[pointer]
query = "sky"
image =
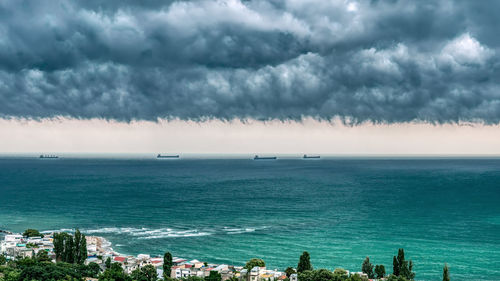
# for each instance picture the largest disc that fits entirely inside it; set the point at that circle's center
(236, 76)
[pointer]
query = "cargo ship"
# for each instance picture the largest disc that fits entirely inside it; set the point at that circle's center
(48, 156)
(311, 157)
(159, 156)
(264, 158)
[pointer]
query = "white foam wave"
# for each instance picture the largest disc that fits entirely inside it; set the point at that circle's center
(58, 230)
(238, 230)
(149, 233)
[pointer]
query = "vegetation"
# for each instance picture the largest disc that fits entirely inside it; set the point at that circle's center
(380, 271)
(255, 262)
(304, 263)
(146, 273)
(40, 268)
(167, 265)
(402, 267)
(114, 273)
(214, 276)
(107, 263)
(70, 249)
(327, 275)
(289, 271)
(367, 268)
(446, 273)
(32, 233)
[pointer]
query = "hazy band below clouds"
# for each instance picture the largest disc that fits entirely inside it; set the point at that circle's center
(217, 137)
(382, 60)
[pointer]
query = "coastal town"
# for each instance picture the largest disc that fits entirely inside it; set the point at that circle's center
(99, 251)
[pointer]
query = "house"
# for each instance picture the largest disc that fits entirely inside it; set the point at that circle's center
(254, 274)
(196, 263)
(294, 277)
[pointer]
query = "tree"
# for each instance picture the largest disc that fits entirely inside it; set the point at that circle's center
(79, 250)
(446, 273)
(289, 271)
(32, 233)
(306, 275)
(340, 273)
(167, 265)
(255, 262)
(146, 273)
(76, 246)
(108, 262)
(402, 267)
(42, 256)
(83, 250)
(93, 270)
(3, 260)
(214, 276)
(59, 241)
(380, 271)
(69, 254)
(367, 268)
(395, 266)
(304, 263)
(114, 273)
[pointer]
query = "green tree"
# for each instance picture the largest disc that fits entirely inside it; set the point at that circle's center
(196, 278)
(367, 268)
(3, 260)
(59, 241)
(402, 267)
(289, 271)
(395, 266)
(393, 277)
(255, 262)
(323, 275)
(340, 274)
(304, 263)
(380, 271)
(42, 256)
(69, 250)
(32, 233)
(446, 273)
(76, 246)
(108, 262)
(214, 276)
(92, 270)
(114, 273)
(167, 265)
(145, 273)
(81, 249)
(306, 275)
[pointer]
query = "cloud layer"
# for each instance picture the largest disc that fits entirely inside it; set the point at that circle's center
(381, 61)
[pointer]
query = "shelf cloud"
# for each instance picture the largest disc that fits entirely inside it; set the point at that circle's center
(377, 61)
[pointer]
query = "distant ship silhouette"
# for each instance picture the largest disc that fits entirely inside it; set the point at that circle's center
(159, 156)
(48, 156)
(311, 157)
(264, 158)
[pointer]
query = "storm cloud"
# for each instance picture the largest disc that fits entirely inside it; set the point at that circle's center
(377, 61)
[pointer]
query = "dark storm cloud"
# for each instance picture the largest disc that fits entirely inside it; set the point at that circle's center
(380, 61)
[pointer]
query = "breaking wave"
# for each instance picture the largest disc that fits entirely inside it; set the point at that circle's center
(149, 233)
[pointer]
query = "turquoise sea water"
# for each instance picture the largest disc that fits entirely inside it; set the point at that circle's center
(230, 210)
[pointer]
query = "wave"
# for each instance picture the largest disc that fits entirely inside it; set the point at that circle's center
(159, 233)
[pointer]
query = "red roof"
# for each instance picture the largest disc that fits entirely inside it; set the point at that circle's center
(188, 265)
(156, 261)
(119, 259)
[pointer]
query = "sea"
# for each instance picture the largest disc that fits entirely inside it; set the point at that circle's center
(231, 209)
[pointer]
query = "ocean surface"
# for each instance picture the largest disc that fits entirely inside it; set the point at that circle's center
(230, 210)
